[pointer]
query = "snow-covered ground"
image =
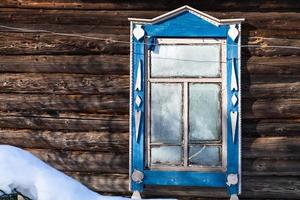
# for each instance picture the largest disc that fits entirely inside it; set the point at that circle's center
(35, 179)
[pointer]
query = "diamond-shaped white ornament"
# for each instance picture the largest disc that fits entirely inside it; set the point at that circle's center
(138, 100)
(138, 32)
(233, 32)
(234, 100)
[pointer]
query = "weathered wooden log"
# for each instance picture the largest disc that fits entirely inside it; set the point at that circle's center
(285, 65)
(271, 108)
(66, 122)
(55, 104)
(84, 161)
(80, 141)
(271, 147)
(114, 183)
(100, 65)
(270, 166)
(46, 44)
(254, 20)
(268, 5)
(64, 84)
(271, 127)
(272, 90)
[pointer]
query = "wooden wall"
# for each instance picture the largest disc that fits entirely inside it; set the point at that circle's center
(65, 98)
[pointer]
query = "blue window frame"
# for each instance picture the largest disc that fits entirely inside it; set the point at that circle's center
(174, 38)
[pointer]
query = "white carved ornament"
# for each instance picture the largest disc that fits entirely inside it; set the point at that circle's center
(138, 32)
(233, 116)
(233, 32)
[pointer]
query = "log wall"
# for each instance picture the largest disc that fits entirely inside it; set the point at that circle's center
(65, 98)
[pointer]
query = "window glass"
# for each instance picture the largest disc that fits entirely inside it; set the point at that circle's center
(186, 61)
(166, 155)
(166, 113)
(204, 112)
(205, 155)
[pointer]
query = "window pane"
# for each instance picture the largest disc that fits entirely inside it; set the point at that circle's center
(166, 155)
(186, 60)
(205, 155)
(166, 113)
(204, 112)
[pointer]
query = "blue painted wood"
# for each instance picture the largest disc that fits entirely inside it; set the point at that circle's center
(185, 178)
(232, 148)
(186, 24)
(137, 159)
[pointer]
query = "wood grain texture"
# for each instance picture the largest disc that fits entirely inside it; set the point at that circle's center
(64, 84)
(90, 64)
(251, 5)
(65, 98)
(65, 122)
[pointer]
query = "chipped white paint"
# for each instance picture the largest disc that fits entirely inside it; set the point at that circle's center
(136, 195)
(234, 85)
(234, 100)
(138, 32)
(233, 32)
(234, 197)
(233, 116)
(232, 179)
(137, 124)
(137, 176)
(138, 83)
(138, 101)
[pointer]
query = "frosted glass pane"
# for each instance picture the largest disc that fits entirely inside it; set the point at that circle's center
(204, 112)
(185, 60)
(166, 155)
(205, 155)
(166, 113)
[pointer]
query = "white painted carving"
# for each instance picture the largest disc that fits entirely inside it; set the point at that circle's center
(234, 85)
(138, 32)
(138, 83)
(137, 124)
(136, 195)
(233, 32)
(233, 116)
(138, 100)
(137, 176)
(234, 197)
(234, 100)
(232, 179)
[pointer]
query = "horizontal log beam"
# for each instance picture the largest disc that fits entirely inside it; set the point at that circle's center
(270, 127)
(53, 105)
(79, 141)
(65, 122)
(47, 44)
(254, 20)
(271, 108)
(64, 84)
(100, 65)
(84, 161)
(252, 5)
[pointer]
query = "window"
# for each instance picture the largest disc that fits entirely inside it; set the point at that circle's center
(186, 96)
(185, 116)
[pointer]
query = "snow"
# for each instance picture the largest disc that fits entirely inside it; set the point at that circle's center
(35, 179)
